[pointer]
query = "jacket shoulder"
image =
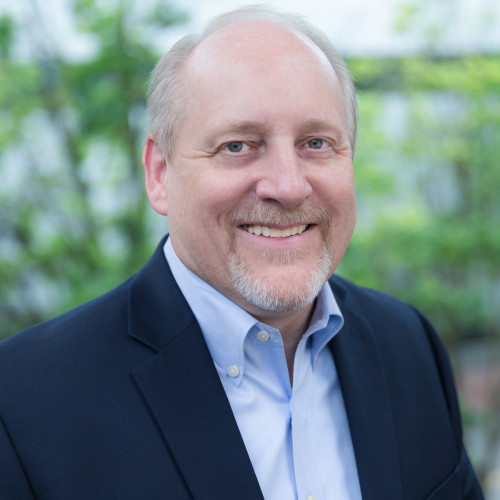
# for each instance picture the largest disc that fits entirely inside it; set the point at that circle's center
(78, 327)
(402, 333)
(371, 303)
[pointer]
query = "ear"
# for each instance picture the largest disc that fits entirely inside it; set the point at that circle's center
(155, 170)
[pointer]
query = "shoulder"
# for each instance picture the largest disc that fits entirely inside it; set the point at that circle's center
(404, 336)
(68, 334)
(376, 306)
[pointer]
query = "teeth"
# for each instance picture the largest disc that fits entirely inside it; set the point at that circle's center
(274, 233)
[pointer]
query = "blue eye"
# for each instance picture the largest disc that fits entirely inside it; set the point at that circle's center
(315, 143)
(235, 147)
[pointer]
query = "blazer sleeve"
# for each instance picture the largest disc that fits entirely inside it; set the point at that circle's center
(13, 481)
(469, 485)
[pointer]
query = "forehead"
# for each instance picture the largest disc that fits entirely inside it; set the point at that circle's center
(258, 72)
(257, 46)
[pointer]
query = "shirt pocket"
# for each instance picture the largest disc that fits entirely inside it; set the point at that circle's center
(449, 489)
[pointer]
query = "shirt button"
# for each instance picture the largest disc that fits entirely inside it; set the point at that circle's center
(233, 371)
(263, 336)
(310, 497)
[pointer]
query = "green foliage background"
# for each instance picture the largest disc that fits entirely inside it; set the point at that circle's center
(428, 188)
(74, 218)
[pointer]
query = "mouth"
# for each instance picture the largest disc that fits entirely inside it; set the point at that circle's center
(272, 232)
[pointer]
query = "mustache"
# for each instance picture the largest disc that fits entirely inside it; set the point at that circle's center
(268, 214)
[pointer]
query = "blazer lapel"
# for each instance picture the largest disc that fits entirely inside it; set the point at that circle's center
(362, 379)
(182, 388)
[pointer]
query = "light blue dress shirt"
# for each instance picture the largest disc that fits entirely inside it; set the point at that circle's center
(297, 436)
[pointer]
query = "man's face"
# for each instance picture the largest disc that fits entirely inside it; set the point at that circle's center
(259, 192)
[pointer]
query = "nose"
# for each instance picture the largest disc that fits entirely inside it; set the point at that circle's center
(283, 178)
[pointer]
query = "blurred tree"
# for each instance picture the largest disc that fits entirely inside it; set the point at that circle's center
(73, 219)
(428, 162)
(429, 213)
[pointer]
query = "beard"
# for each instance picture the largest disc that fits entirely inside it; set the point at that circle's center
(288, 291)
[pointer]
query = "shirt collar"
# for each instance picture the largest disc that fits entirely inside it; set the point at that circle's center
(225, 325)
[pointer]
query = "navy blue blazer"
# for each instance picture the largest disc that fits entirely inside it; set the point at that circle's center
(119, 399)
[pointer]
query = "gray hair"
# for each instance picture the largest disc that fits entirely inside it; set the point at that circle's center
(165, 102)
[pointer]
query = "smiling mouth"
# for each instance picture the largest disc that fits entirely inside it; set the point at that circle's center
(271, 232)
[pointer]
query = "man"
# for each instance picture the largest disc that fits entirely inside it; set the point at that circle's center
(230, 367)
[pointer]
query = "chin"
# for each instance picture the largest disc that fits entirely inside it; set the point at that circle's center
(283, 290)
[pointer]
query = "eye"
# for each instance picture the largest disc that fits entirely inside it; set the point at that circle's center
(315, 143)
(235, 147)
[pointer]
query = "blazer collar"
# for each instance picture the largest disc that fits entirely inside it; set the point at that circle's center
(362, 379)
(157, 309)
(183, 391)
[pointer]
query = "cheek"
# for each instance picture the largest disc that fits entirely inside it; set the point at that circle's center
(337, 195)
(186, 193)
(221, 196)
(203, 207)
(336, 192)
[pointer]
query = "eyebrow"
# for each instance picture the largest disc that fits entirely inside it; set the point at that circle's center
(240, 127)
(237, 127)
(256, 126)
(315, 125)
